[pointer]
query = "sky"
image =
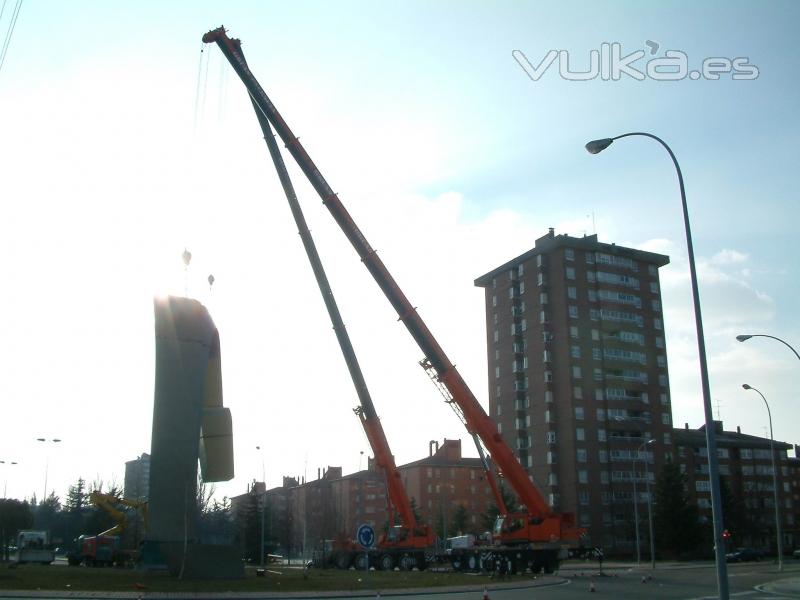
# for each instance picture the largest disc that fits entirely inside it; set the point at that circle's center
(122, 144)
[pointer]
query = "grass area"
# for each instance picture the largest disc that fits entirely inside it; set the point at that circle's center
(277, 579)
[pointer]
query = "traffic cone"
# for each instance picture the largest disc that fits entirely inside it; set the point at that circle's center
(644, 579)
(485, 594)
(591, 586)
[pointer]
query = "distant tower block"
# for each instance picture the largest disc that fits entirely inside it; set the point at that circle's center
(189, 423)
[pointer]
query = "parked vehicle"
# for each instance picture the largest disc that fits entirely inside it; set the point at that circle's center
(33, 547)
(744, 555)
(796, 554)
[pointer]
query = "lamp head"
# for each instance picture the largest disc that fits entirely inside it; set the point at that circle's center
(747, 387)
(596, 146)
(743, 338)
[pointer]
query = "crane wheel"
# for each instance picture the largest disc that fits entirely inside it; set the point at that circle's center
(386, 562)
(343, 561)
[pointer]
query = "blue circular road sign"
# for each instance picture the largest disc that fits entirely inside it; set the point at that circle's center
(366, 536)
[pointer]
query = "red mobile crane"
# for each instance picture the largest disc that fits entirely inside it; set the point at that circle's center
(405, 544)
(536, 537)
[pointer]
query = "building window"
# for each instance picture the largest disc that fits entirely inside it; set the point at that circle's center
(598, 374)
(583, 477)
(575, 351)
(497, 372)
(604, 477)
(550, 437)
(572, 292)
(657, 324)
(601, 414)
(569, 254)
(573, 311)
(541, 279)
(596, 354)
(542, 317)
(543, 299)
(594, 314)
(598, 394)
(656, 305)
(702, 485)
(539, 260)
(551, 457)
(547, 415)
(548, 376)
(496, 335)
(494, 300)
(601, 435)
(552, 479)
(667, 439)
(547, 356)
(576, 373)
(580, 434)
(573, 331)
(499, 428)
(664, 400)
(653, 287)
(579, 413)
(577, 392)
(659, 342)
(661, 360)
(589, 258)
(581, 454)
(570, 272)
(602, 456)
(548, 396)
(590, 276)
(662, 380)
(592, 296)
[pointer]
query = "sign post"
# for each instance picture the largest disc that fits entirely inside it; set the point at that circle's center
(366, 537)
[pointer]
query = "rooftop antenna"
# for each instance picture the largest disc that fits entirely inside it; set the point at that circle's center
(594, 225)
(719, 418)
(187, 258)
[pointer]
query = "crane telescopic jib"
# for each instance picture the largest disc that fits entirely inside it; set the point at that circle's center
(538, 526)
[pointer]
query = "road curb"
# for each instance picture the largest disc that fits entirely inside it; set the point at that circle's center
(60, 594)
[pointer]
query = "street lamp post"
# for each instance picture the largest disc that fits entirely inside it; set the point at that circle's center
(47, 463)
(774, 479)
(744, 338)
(599, 145)
(650, 517)
(263, 504)
(636, 517)
(636, 506)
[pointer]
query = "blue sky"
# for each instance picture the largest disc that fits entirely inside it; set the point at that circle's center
(450, 158)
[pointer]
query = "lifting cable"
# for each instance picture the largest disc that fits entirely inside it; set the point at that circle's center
(197, 89)
(11, 25)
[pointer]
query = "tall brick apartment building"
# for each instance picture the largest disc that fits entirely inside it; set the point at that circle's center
(578, 378)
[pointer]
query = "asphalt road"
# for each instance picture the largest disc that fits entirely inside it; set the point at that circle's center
(749, 581)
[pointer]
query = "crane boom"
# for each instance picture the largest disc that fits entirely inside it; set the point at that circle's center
(476, 419)
(367, 415)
